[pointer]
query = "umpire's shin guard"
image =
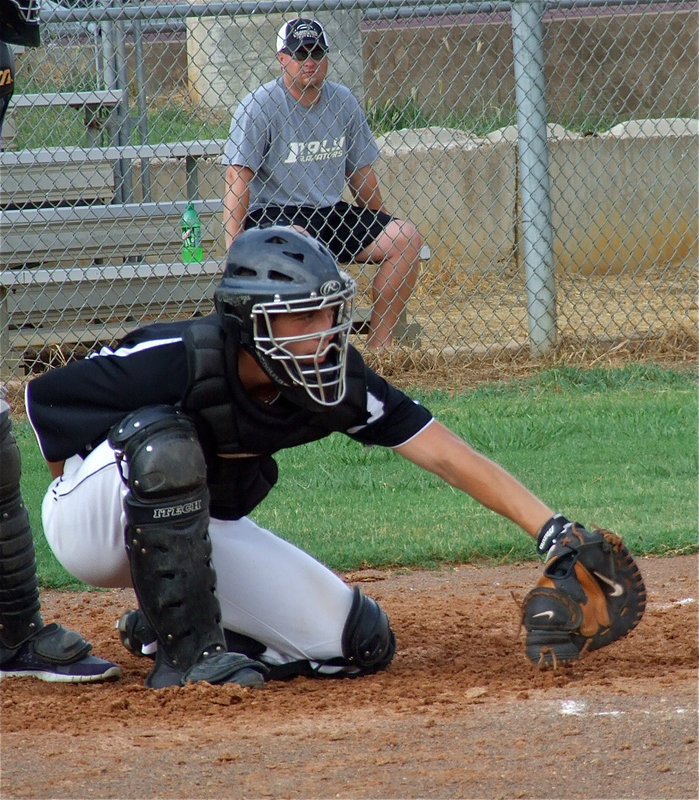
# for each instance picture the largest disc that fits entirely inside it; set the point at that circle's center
(20, 617)
(169, 550)
(19, 590)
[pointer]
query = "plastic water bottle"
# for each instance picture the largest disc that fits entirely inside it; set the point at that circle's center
(192, 250)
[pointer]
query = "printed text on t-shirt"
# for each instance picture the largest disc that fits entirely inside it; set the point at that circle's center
(316, 150)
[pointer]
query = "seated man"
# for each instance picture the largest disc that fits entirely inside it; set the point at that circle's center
(293, 144)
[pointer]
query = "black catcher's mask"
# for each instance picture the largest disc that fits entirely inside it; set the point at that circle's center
(277, 271)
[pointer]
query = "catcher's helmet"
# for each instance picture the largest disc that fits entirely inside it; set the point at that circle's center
(19, 22)
(280, 270)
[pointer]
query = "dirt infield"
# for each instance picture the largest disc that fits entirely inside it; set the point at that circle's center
(460, 713)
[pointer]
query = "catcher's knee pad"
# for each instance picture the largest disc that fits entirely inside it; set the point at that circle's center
(167, 540)
(162, 463)
(368, 642)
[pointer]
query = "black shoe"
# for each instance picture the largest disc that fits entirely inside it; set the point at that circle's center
(26, 662)
(139, 638)
(217, 668)
(136, 634)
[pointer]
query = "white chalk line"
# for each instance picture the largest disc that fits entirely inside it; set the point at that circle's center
(578, 708)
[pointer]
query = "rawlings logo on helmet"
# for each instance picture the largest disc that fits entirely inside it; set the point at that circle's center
(330, 287)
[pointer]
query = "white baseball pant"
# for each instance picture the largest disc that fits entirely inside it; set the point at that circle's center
(268, 588)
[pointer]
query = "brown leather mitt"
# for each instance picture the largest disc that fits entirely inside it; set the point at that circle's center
(590, 594)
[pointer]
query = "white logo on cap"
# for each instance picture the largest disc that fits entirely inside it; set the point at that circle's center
(305, 30)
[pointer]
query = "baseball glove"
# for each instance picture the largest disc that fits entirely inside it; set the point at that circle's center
(590, 594)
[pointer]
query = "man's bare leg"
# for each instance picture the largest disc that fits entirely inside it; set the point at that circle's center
(396, 251)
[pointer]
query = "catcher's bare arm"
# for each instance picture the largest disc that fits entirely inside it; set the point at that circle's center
(441, 451)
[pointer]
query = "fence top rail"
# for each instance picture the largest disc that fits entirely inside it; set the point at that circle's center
(51, 155)
(232, 8)
(105, 213)
(106, 97)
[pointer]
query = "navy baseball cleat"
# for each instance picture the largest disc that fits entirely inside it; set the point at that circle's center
(35, 659)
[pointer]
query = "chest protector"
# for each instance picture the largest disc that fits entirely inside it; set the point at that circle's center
(238, 435)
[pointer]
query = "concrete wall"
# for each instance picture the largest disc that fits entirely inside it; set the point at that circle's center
(624, 201)
(459, 190)
(621, 200)
(624, 65)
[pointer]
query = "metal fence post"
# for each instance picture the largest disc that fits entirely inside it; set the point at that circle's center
(537, 233)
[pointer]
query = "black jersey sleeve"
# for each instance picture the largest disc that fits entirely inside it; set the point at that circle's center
(392, 417)
(73, 408)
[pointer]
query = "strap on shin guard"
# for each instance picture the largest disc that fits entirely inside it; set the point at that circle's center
(367, 640)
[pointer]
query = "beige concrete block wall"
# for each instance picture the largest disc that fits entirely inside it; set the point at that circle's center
(458, 190)
(228, 57)
(627, 199)
(624, 202)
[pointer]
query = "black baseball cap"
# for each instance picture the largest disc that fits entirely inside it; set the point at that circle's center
(302, 33)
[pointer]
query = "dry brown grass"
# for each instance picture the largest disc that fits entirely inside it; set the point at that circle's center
(456, 370)
(475, 325)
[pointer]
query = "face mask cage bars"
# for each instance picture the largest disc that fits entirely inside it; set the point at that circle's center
(320, 373)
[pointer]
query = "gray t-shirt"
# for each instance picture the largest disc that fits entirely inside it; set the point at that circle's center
(300, 155)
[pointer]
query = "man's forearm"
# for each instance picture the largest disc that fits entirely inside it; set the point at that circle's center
(236, 201)
(365, 189)
(234, 212)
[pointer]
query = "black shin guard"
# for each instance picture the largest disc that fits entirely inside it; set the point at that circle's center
(169, 549)
(20, 617)
(19, 590)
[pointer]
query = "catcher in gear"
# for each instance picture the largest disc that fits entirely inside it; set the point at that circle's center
(590, 594)
(162, 449)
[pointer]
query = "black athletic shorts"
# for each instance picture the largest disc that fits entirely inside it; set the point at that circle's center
(345, 229)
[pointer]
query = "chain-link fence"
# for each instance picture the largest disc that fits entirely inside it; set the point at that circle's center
(545, 152)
